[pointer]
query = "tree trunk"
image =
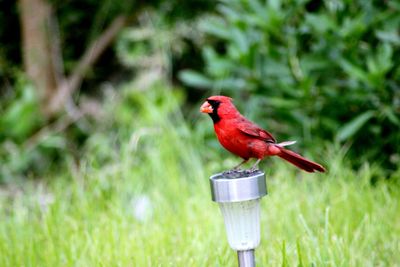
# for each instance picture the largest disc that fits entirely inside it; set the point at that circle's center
(42, 56)
(39, 64)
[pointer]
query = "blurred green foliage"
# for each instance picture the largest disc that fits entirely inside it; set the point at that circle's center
(86, 213)
(314, 69)
(78, 23)
(27, 145)
(320, 70)
(19, 120)
(31, 145)
(20, 113)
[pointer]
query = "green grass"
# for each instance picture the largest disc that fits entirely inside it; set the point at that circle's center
(83, 215)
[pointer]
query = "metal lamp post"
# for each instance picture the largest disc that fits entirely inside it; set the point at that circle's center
(238, 195)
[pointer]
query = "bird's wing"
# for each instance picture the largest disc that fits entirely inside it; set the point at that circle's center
(249, 128)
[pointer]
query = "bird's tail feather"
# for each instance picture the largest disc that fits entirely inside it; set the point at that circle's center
(299, 161)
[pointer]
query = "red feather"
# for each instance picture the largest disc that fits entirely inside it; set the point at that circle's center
(246, 139)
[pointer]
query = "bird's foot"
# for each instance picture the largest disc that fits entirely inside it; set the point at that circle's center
(232, 174)
(234, 170)
(252, 169)
(228, 172)
(237, 169)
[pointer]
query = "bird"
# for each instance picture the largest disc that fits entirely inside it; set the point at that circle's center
(246, 139)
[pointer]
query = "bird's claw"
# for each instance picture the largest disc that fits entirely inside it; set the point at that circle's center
(253, 169)
(234, 170)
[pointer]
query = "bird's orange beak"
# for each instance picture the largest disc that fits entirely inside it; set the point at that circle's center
(206, 108)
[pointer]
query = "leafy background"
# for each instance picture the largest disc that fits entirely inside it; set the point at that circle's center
(125, 184)
(326, 70)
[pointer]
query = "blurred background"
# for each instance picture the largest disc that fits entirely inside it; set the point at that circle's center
(105, 159)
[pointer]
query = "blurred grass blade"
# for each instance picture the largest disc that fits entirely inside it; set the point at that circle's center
(353, 126)
(299, 254)
(284, 258)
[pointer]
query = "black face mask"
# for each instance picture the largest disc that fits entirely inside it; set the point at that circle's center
(214, 115)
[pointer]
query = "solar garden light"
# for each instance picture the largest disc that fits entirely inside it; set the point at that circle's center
(238, 194)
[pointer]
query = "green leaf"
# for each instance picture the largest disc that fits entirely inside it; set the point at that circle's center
(231, 84)
(215, 27)
(320, 23)
(354, 71)
(230, 13)
(384, 57)
(391, 116)
(54, 141)
(282, 103)
(240, 40)
(353, 126)
(390, 36)
(195, 79)
(22, 116)
(352, 27)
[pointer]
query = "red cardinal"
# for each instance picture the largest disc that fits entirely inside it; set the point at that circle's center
(246, 139)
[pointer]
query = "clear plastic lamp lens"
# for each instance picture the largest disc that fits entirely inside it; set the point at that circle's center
(242, 222)
(238, 195)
